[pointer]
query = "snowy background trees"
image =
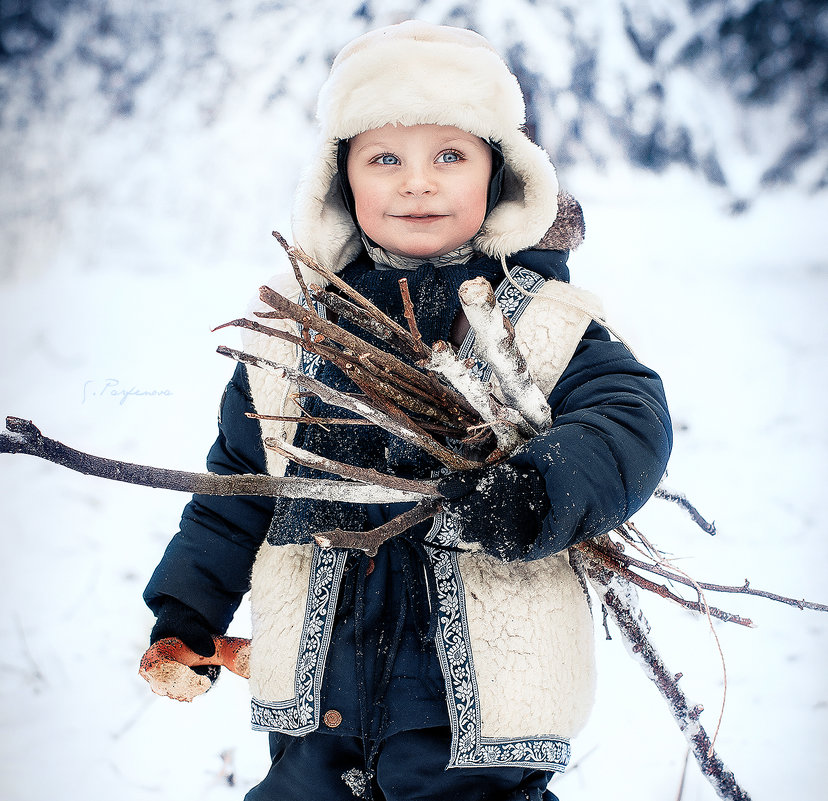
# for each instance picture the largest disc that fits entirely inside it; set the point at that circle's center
(145, 154)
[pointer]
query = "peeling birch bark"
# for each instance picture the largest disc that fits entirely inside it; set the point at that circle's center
(495, 342)
(506, 424)
(621, 602)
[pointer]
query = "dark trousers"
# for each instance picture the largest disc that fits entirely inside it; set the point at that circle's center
(410, 766)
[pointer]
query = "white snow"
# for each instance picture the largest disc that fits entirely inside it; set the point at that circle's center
(125, 239)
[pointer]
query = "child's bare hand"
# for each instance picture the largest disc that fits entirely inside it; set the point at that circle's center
(167, 664)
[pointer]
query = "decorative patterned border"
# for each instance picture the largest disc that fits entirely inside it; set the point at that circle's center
(310, 363)
(469, 748)
(300, 715)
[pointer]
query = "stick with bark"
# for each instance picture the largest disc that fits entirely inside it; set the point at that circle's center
(620, 600)
(22, 436)
(369, 541)
(418, 349)
(506, 424)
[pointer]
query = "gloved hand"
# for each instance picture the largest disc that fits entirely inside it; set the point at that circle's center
(502, 507)
(184, 659)
(169, 666)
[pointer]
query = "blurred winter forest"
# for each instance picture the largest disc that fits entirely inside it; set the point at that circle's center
(736, 91)
(146, 152)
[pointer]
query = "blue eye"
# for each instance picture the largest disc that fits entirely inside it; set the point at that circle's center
(449, 157)
(387, 158)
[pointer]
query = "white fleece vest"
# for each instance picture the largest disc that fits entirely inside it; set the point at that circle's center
(515, 639)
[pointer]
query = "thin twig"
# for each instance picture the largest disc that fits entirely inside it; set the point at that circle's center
(681, 500)
(408, 310)
(300, 279)
(682, 578)
(308, 419)
(683, 775)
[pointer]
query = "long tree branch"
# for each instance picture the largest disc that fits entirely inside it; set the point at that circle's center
(22, 436)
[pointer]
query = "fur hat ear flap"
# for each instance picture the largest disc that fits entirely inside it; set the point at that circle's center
(416, 73)
(528, 203)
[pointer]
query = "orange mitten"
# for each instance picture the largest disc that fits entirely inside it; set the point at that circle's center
(166, 665)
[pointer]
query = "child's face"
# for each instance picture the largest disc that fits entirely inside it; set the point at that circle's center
(419, 190)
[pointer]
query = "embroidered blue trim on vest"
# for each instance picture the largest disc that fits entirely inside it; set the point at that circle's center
(300, 715)
(469, 748)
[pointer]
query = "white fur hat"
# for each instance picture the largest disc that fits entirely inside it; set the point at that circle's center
(418, 73)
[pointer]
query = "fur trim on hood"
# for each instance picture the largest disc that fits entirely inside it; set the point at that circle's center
(418, 73)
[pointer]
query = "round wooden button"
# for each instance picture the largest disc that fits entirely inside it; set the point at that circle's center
(370, 568)
(332, 718)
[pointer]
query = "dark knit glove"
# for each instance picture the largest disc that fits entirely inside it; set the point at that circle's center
(502, 507)
(176, 619)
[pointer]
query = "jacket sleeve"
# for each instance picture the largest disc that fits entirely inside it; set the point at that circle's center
(208, 562)
(608, 445)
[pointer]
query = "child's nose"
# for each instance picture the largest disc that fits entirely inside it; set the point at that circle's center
(418, 181)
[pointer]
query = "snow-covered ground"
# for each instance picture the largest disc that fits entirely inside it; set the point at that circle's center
(141, 232)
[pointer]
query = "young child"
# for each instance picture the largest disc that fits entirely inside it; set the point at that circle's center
(458, 661)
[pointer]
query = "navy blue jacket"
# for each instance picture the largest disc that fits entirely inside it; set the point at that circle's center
(610, 422)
